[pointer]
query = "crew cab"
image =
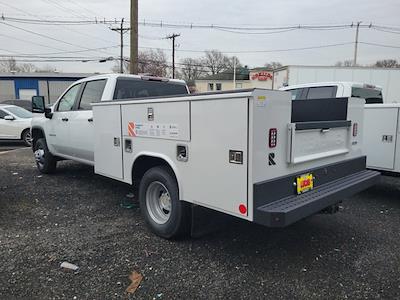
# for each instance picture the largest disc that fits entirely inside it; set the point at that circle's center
(322, 90)
(66, 130)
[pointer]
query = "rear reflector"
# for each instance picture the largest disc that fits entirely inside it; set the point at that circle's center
(273, 133)
(355, 129)
(242, 209)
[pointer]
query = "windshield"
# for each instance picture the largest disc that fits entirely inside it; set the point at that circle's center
(19, 112)
(370, 95)
(134, 88)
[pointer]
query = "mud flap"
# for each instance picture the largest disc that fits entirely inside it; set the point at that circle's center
(206, 221)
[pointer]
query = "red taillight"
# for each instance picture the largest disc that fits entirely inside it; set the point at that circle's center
(355, 129)
(273, 134)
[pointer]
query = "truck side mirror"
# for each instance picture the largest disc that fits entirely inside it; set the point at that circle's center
(9, 118)
(38, 104)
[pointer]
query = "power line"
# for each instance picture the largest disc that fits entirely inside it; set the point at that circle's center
(204, 26)
(256, 51)
(69, 29)
(46, 36)
(380, 45)
(20, 54)
(64, 8)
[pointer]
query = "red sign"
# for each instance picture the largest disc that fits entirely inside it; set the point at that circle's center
(261, 76)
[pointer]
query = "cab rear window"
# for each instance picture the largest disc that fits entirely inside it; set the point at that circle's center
(136, 88)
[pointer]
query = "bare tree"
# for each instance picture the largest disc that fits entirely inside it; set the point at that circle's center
(46, 69)
(345, 63)
(387, 63)
(216, 62)
(8, 65)
(234, 62)
(153, 62)
(191, 69)
(273, 65)
(26, 68)
(11, 65)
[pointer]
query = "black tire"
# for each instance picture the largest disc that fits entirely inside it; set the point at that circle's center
(178, 222)
(45, 162)
(26, 137)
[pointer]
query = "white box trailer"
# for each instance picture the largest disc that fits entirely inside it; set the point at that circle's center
(387, 78)
(253, 154)
(382, 136)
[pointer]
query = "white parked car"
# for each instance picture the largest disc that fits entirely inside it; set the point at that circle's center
(15, 123)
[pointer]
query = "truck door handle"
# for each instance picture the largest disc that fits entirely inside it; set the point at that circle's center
(90, 120)
(65, 119)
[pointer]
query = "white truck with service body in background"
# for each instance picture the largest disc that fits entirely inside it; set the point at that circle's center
(386, 78)
(381, 121)
(253, 154)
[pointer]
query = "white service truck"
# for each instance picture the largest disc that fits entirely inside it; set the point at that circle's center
(253, 154)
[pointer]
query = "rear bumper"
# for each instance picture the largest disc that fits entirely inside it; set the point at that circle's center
(276, 203)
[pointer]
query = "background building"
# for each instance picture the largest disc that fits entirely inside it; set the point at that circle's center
(245, 78)
(25, 85)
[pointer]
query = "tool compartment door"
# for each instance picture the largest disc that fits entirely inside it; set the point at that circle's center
(107, 141)
(319, 129)
(319, 142)
(212, 179)
(380, 135)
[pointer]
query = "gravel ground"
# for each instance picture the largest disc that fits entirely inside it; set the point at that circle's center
(7, 145)
(75, 216)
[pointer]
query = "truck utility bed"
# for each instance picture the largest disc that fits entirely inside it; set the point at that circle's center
(252, 153)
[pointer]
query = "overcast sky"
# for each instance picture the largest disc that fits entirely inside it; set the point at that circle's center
(223, 12)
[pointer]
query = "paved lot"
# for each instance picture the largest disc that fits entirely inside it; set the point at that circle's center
(75, 216)
(7, 145)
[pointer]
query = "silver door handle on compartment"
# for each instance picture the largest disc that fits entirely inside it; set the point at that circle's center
(90, 120)
(65, 119)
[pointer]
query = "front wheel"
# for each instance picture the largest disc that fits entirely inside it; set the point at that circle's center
(45, 161)
(165, 214)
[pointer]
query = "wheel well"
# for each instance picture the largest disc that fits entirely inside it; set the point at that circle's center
(22, 132)
(144, 163)
(37, 133)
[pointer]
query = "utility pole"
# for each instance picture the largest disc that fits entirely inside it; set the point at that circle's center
(173, 37)
(234, 72)
(356, 44)
(121, 31)
(134, 37)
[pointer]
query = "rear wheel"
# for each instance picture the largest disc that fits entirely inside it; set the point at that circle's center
(26, 137)
(45, 161)
(161, 208)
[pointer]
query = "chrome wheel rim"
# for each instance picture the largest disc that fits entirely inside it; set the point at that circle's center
(158, 202)
(39, 157)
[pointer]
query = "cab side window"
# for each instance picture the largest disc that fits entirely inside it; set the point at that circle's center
(296, 94)
(2, 114)
(322, 92)
(92, 93)
(67, 101)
